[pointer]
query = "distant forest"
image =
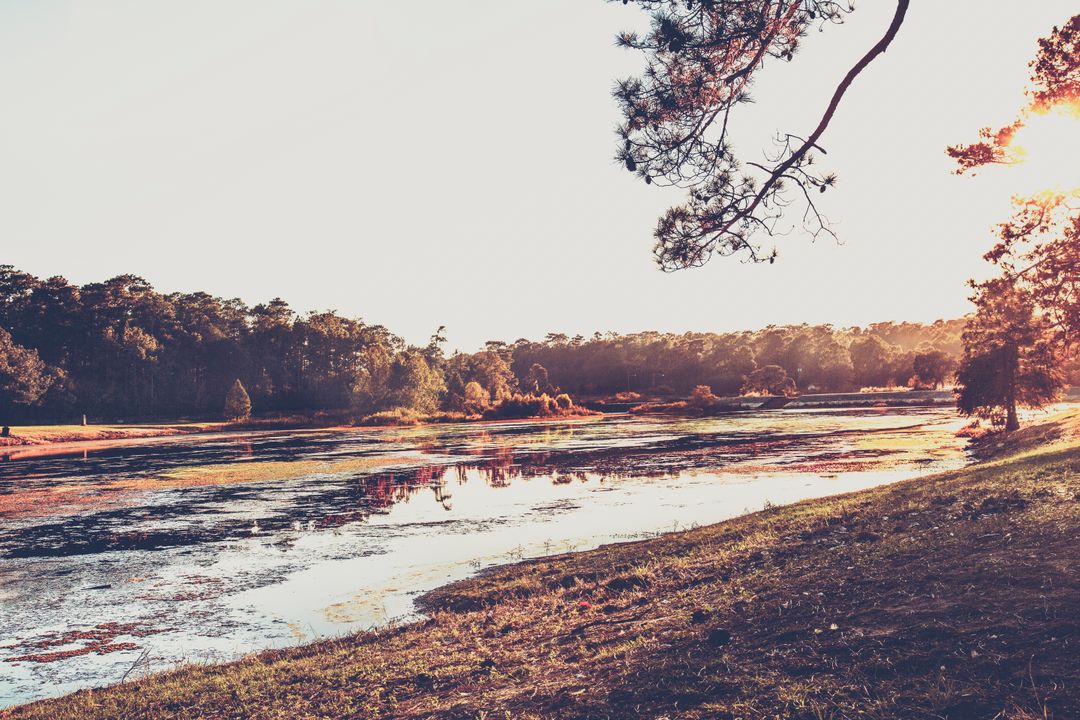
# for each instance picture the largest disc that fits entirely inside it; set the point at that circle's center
(121, 350)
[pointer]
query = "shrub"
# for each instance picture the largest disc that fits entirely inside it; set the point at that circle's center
(237, 403)
(397, 416)
(702, 396)
(529, 405)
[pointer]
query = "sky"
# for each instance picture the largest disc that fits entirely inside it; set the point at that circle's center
(430, 163)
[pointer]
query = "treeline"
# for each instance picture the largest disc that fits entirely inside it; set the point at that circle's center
(121, 350)
(814, 358)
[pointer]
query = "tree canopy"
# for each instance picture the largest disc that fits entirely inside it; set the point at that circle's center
(1027, 319)
(119, 349)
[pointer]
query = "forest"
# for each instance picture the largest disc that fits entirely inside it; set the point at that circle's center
(121, 350)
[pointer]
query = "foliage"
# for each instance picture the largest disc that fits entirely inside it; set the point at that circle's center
(820, 358)
(933, 368)
(119, 349)
(24, 379)
(872, 360)
(769, 380)
(529, 405)
(237, 403)
(1054, 82)
(477, 399)
(702, 397)
(537, 380)
(1024, 332)
(415, 384)
(397, 416)
(701, 58)
(1009, 360)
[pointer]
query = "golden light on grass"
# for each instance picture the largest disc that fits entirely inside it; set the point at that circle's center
(1045, 151)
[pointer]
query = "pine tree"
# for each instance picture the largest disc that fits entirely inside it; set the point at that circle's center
(237, 403)
(1008, 359)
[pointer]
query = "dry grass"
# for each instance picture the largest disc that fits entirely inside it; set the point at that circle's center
(46, 434)
(953, 596)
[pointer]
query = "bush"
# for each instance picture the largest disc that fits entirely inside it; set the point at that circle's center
(702, 397)
(397, 416)
(237, 403)
(529, 405)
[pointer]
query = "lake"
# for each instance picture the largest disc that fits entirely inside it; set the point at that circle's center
(129, 560)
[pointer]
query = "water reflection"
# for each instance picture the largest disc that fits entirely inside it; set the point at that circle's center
(217, 547)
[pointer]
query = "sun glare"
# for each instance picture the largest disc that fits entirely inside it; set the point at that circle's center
(1046, 151)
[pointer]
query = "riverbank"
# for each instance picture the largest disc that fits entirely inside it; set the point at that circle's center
(35, 440)
(53, 434)
(45, 440)
(49, 435)
(947, 596)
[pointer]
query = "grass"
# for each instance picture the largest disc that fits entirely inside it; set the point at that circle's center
(951, 596)
(43, 434)
(26, 437)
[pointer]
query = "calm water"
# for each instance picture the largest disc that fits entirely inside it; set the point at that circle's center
(135, 559)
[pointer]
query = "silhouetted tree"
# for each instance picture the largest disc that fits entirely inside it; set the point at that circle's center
(771, 380)
(701, 59)
(933, 368)
(872, 360)
(1009, 361)
(1027, 319)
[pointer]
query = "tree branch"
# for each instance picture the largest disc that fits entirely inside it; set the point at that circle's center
(879, 48)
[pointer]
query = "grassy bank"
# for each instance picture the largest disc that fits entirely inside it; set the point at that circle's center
(46, 435)
(52, 434)
(35, 435)
(952, 596)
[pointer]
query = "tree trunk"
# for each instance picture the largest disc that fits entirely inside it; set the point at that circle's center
(1012, 422)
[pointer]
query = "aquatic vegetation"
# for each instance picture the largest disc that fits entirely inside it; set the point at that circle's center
(951, 596)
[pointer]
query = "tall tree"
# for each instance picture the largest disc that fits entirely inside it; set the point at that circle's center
(1009, 361)
(932, 367)
(24, 378)
(1027, 320)
(1039, 247)
(871, 360)
(415, 384)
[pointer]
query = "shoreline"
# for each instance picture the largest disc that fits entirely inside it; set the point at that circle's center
(108, 437)
(789, 610)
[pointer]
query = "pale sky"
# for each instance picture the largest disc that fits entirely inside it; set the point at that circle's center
(431, 163)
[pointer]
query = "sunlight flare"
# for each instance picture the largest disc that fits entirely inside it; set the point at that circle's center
(1045, 152)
